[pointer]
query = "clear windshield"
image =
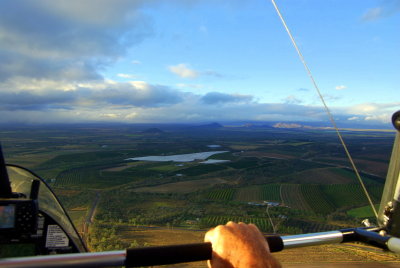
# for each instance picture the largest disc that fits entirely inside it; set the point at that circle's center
(21, 181)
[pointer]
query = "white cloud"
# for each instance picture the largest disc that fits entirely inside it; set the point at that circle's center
(127, 76)
(111, 115)
(353, 118)
(131, 115)
(136, 62)
(385, 118)
(365, 108)
(183, 71)
(377, 112)
(141, 102)
(341, 87)
(54, 95)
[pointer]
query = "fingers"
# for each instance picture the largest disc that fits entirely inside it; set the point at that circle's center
(238, 245)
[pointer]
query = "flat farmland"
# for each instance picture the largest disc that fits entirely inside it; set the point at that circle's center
(181, 187)
(303, 170)
(324, 176)
(268, 155)
(163, 237)
(378, 168)
(153, 236)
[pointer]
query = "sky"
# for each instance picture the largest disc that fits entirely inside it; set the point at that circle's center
(188, 61)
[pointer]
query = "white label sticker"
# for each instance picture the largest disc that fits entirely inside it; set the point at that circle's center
(56, 238)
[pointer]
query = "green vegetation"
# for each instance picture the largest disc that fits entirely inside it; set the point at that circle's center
(350, 195)
(362, 212)
(316, 199)
(201, 169)
(248, 162)
(222, 194)
(271, 192)
(303, 171)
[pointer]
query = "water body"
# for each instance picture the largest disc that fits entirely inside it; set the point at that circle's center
(177, 157)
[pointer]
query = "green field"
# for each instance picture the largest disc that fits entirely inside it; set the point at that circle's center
(362, 212)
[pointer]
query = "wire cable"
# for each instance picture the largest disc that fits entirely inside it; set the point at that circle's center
(326, 108)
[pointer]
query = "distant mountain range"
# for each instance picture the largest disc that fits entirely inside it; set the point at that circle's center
(310, 125)
(158, 128)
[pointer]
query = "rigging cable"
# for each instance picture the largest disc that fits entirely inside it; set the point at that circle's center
(326, 108)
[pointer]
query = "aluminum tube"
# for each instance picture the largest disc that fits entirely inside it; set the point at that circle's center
(95, 259)
(312, 239)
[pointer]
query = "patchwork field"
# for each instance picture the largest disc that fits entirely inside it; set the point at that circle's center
(296, 181)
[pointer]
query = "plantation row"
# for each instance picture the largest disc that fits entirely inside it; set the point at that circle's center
(269, 192)
(262, 223)
(221, 194)
(316, 199)
(320, 199)
(92, 177)
(249, 194)
(76, 176)
(324, 199)
(343, 195)
(293, 197)
(283, 226)
(310, 227)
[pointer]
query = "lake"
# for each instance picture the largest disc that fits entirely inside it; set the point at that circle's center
(177, 157)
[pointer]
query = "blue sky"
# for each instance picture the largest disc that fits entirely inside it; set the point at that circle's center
(197, 61)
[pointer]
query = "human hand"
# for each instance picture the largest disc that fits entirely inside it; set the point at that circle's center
(239, 246)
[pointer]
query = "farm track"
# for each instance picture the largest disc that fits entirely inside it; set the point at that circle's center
(90, 216)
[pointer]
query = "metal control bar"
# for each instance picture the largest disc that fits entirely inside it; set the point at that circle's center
(150, 256)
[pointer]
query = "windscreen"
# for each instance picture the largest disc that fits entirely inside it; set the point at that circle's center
(21, 181)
